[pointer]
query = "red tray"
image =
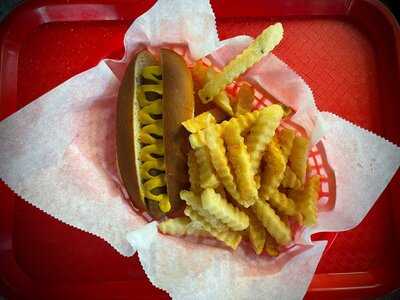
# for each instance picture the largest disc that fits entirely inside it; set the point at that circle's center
(347, 51)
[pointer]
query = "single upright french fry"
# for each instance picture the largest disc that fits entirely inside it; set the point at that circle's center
(240, 161)
(272, 222)
(262, 132)
(290, 179)
(219, 160)
(274, 170)
(298, 157)
(260, 47)
(208, 178)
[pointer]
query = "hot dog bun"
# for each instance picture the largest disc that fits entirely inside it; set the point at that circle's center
(178, 101)
(177, 106)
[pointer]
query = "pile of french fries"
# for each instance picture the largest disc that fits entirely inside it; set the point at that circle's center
(248, 174)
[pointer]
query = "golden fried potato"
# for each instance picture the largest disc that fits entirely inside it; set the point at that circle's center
(219, 160)
(223, 101)
(221, 209)
(260, 47)
(306, 200)
(199, 122)
(195, 229)
(244, 100)
(240, 160)
(194, 173)
(282, 203)
(274, 170)
(290, 179)
(208, 178)
(262, 132)
(298, 157)
(230, 238)
(286, 137)
(256, 232)
(194, 201)
(272, 222)
(176, 226)
(247, 120)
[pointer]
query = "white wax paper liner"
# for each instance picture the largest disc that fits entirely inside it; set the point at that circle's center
(58, 154)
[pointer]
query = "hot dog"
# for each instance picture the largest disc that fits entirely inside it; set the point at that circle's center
(155, 97)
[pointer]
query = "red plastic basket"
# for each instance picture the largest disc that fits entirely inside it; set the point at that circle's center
(347, 51)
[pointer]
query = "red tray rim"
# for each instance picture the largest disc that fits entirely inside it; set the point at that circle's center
(11, 36)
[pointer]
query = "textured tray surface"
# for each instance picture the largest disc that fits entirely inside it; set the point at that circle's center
(336, 59)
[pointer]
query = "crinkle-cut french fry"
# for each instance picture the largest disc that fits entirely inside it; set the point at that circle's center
(272, 222)
(230, 238)
(282, 203)
(260, 47)
(247, 120)
(262, 132)
(208, 179)
(197, 139)
(223, 101)
(207, 175)
(194, 174)
(271, 247)
(256, 232)
(201, 75)
(240, 161)
(274, 170)
(244, 100)
(175, 226)
(195, 229)
(244, 122)
(271, 179)
(306, 200)
(221, 209)
(298, 157)
(194, 201)
(199, 122)
(286, 137)
(216, 147)
(290, 180)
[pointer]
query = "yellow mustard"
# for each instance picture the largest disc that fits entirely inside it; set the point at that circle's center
(152, 167)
